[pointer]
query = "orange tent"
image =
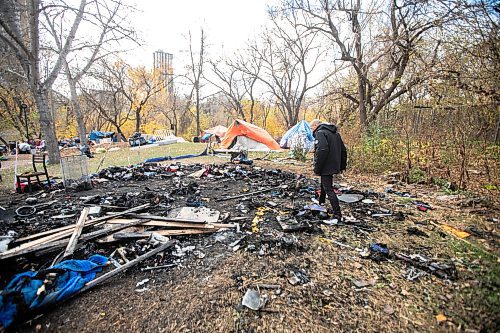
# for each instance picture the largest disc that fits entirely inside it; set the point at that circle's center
(251, 131)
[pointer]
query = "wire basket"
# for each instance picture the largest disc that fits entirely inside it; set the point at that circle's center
(75, 172)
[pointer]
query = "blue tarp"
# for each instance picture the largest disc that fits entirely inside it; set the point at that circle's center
(21, 292)
(168, 158)
(299, 135)
(96, 135)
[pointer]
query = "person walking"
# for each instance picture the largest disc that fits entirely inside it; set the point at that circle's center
(330, 158)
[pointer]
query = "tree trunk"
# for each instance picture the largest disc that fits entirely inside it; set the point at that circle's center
(82, 132)
(137, 120)
(47, 126)
(198, 129)
(175, 123)
(363, 119)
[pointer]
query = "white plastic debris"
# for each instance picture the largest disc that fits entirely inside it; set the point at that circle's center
(6, 240)
(253, 300)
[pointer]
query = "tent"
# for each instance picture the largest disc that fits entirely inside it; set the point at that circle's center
(218, 131)
(243, 135)
(98, 135)
(299, 136)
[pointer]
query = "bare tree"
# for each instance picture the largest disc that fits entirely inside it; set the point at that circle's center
(107, 17)
(23, 38)
(378, 39)
(229, 81)
(195, 69)
(106, 96)
(287, 55)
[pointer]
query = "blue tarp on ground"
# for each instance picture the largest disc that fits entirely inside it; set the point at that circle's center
(299, 135)
(96, 135)
(168, 158)
(21, 292)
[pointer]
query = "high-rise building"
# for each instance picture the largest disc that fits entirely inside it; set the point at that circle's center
(162, 62)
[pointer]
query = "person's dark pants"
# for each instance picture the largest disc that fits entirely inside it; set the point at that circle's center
(327, 190)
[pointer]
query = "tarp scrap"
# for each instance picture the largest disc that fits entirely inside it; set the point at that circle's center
(299, 136)
(28, 290)
(456, 232)
(169, 158)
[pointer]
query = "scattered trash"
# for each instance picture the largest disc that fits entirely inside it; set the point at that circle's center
(454, 231)
(442, 271)
(298, 276)
(253, 300)
(350, 198)
(416, 232)
(378, 252)
(441, 318)
(388, 309)
(6, 240)
(364, 283)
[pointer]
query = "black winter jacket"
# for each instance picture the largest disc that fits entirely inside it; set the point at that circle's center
(330, 154)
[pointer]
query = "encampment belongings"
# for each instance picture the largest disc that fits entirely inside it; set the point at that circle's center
(245, 136)
(36, 159)
(350, 197)
(299, 136)
(6, 240)
(443, 271)
(401, 194)
(85, 150)
(25, 211)
(417, 232)
(378, 252)
(253, 300)
(137, 140)
(241, 158)
(422, 206)
(364, 283)
(298, 276)
(32, 290)
(99, 136)
(75, 172)
(216, 132)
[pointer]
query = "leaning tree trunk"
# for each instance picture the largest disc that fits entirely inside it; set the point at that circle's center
(47, 126)
(137, 120)
(82, 131)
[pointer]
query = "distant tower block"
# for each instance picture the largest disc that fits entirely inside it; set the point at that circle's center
(162, 61)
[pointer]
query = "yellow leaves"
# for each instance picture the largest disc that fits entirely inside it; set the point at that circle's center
(258, 218)
(441, 318)
(456, 232)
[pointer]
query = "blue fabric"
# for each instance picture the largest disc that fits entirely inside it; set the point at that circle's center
(299, 134)
(167, 158)
(21, 292)
(95, 135)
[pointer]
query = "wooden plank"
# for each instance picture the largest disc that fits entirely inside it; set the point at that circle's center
(124, 267)
(155, 223)
(54, 245)
(164, 218)
(184, 232)
(196, 213)
(76, 233)
(89, 223)
(245, 195)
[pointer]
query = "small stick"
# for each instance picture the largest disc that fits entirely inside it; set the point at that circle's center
(245, 195)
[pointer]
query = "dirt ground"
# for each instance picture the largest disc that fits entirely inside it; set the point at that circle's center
(203, 292)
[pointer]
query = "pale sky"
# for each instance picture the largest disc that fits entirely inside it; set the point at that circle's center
(164, 24)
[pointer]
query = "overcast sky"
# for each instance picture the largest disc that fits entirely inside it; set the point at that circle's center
(164, 24)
